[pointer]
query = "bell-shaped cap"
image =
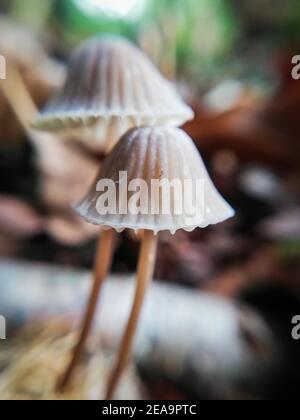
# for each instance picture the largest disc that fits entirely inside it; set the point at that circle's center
(154, 179)
(20, 47)
(112, 86)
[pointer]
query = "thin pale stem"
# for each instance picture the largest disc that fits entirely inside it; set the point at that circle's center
(102, 266)
(144, 276)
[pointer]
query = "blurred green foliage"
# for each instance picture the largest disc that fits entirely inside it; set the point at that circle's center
(199, 39)
(203, 31)
(78, 25)
(196, 32)
(31, 13)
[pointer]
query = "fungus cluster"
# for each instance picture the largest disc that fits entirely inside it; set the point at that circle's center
(116, 101)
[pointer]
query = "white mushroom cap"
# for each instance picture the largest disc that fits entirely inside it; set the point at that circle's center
(112, 86)
(156, 154)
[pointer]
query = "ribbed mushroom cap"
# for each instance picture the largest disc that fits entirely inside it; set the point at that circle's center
(111, 87)
(154, 154)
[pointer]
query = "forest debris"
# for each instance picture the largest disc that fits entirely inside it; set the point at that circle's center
(32, 363)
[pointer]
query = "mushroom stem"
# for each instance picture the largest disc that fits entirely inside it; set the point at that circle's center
(102, 266)
(144, 276)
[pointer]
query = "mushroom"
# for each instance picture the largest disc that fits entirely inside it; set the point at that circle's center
(112, 86)
(125, 196)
